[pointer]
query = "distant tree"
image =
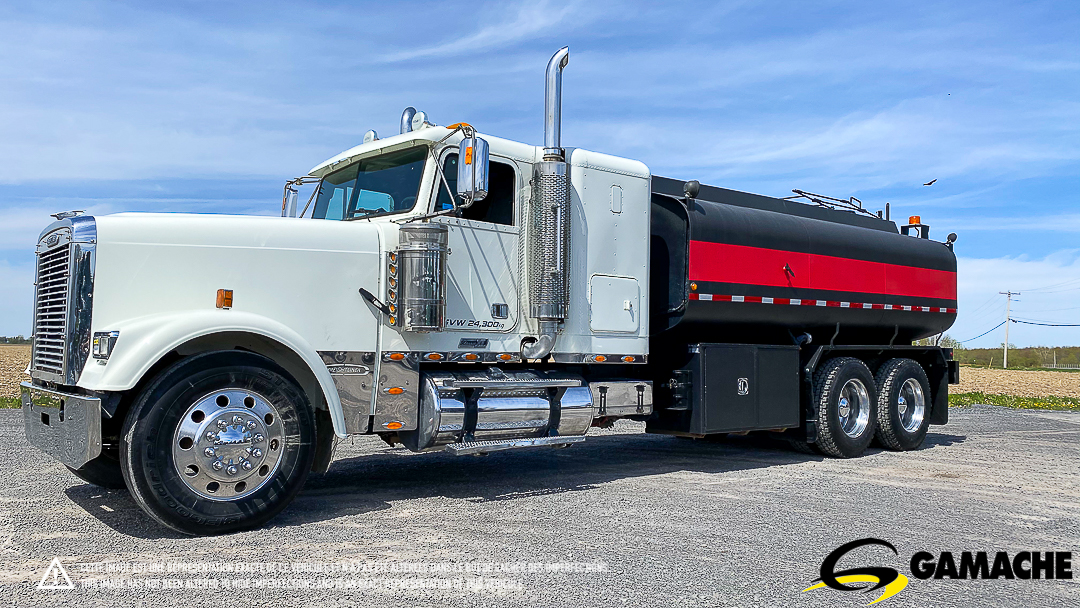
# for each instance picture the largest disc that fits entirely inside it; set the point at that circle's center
(15, 340)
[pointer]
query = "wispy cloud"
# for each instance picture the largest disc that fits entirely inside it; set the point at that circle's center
(529, 20)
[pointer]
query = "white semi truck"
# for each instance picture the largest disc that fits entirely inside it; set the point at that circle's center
(447, 290)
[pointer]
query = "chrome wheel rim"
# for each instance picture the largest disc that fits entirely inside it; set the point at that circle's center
(911, 405)
(853, 408)
(228, 444)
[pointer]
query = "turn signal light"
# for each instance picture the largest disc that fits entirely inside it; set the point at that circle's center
(397, 356)
(395, 390)
(224, 298)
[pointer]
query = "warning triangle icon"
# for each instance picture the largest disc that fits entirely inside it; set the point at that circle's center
(55, 577)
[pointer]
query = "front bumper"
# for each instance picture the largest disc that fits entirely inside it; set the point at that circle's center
(64, 426)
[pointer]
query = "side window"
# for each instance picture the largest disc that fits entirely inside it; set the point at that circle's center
(497, 207)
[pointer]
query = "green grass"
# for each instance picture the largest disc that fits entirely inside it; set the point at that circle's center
(9, 402)
(1024, 403)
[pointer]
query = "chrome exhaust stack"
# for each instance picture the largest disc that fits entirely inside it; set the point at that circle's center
(549, 221)
(553, 104)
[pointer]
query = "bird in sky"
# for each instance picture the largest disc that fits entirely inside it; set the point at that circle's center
(931, 182)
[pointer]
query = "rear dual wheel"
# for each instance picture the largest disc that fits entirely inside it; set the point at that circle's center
(218, 442)
(903, 407)
(845, 397)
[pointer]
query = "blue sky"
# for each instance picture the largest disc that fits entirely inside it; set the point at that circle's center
(209, 107)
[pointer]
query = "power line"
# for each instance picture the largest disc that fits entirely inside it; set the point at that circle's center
(984, 333)
(1056, 285)
(1046, 324)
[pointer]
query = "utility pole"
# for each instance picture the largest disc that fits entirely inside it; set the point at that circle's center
(1008, 321)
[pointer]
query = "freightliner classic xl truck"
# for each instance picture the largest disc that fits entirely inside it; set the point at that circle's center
(446, 290)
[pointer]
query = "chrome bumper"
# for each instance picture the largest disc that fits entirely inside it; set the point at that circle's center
(64, 426)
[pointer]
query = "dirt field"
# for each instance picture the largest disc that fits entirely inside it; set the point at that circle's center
(1018, 383)
(13, 361)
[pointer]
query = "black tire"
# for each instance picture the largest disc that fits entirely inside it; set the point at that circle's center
(902, 379)
(844, 436)
(103, 471)
(148, 443)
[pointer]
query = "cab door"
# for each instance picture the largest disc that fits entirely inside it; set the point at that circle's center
(483, 268)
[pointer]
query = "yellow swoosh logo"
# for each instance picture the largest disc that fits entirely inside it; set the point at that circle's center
(890, 590)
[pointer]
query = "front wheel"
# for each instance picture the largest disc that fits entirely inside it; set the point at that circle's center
(845, 396)
(218, 442)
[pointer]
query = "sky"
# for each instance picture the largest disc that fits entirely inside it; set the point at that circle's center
(209, 107)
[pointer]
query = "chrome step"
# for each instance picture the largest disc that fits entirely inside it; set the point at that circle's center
(482, 447)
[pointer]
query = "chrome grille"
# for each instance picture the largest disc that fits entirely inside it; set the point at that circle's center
(51, 305)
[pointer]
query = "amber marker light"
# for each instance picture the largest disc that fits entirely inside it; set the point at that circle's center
(433, 356)
(628, 359)
(395, 390)
(471, 357)
(599, 358)
(393, 256)
(693, 286)
(393, 426)
(397, 356)
(224, 298)
(506, 356)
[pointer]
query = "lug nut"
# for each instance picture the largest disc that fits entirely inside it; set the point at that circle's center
(210, 453)
(246, 465)
(217, 465)
(237, 420)
(257, 453)
(221, 424)
(210, 435)
(232, 470)
(251, 424)
(257, 438)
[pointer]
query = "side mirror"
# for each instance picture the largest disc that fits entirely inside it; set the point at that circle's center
(473, 164)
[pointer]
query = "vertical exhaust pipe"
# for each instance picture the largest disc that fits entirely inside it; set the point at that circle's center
(553, 104)
(549, 219)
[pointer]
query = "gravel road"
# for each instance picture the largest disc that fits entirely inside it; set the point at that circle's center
(625, 518)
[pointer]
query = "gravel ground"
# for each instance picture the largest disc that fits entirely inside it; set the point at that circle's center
(13, 362)
(1017, 382)
(659, 521)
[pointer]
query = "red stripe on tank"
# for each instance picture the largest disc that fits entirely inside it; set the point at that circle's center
(723, 263)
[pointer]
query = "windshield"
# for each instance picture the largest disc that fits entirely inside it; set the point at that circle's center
(383, 184)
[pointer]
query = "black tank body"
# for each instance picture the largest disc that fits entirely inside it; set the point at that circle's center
(730, 267)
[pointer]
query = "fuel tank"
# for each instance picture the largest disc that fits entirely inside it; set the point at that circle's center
(737, 267)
